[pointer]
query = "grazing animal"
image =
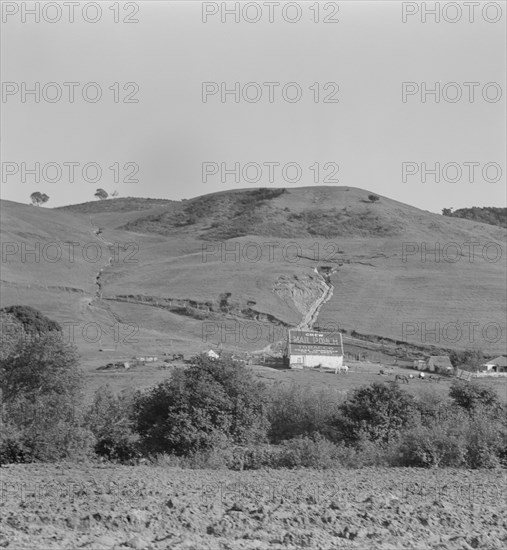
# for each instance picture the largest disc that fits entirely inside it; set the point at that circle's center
(411, 376)
(401, 377)
(386, 371)
(422, 375)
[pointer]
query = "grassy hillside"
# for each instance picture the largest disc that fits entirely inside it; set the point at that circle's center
(486, 214)
(195, 273)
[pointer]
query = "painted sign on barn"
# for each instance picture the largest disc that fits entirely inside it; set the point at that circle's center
(309, 348)
(315, 343)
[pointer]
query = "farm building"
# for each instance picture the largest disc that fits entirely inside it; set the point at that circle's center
(439, 363)
(146, 359)
(308, 348)
(419, 364)
(499, 364)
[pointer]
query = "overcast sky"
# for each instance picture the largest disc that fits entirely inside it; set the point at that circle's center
(368, 133)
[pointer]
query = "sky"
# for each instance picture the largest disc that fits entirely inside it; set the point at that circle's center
(154, 133)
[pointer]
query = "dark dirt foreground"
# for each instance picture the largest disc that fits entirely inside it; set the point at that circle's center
(94, 507)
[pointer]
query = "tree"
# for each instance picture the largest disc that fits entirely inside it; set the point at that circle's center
(373, 198)
(101, 194)
(377, 412)
(470, 396)
(40, 385)
(209, 404)
(110, 419)
(469, 359)
(447, 212)
(39, 198)
(41, 365)
(11, 331)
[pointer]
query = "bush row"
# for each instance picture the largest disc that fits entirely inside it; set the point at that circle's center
(217, 414)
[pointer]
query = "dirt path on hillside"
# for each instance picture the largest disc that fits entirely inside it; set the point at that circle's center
(312, 314)
(98, 234)
(97, 300)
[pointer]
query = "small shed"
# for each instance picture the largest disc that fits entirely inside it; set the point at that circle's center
(440, 363)
(499, 364)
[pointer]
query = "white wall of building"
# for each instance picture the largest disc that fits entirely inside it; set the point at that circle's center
(328, 361)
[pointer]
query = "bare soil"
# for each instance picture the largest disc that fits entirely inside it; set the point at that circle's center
(145, 507)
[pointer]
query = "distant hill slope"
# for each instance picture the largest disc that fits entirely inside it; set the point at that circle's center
(274, 213)
(486, 214)
(121, 204)
(195, 273)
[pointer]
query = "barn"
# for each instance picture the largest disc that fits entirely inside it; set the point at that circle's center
(499, 364)
(440, 363)
(309, 348)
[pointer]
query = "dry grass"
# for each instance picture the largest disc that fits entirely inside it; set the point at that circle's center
(375, 292)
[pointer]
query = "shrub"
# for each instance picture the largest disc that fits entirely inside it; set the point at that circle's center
(484, 214)
(12, 445)
(455, 437)
(206, 406)
(308, 452)
(438, 442)
(263, 194)
(471, 395)
(43, 428)
(33, 321)
(486, 440)
(110, 419)
(373, 198)
(253, 457)
(300, 411)
(377, 412)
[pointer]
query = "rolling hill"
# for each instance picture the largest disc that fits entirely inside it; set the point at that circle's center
(238, 268)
